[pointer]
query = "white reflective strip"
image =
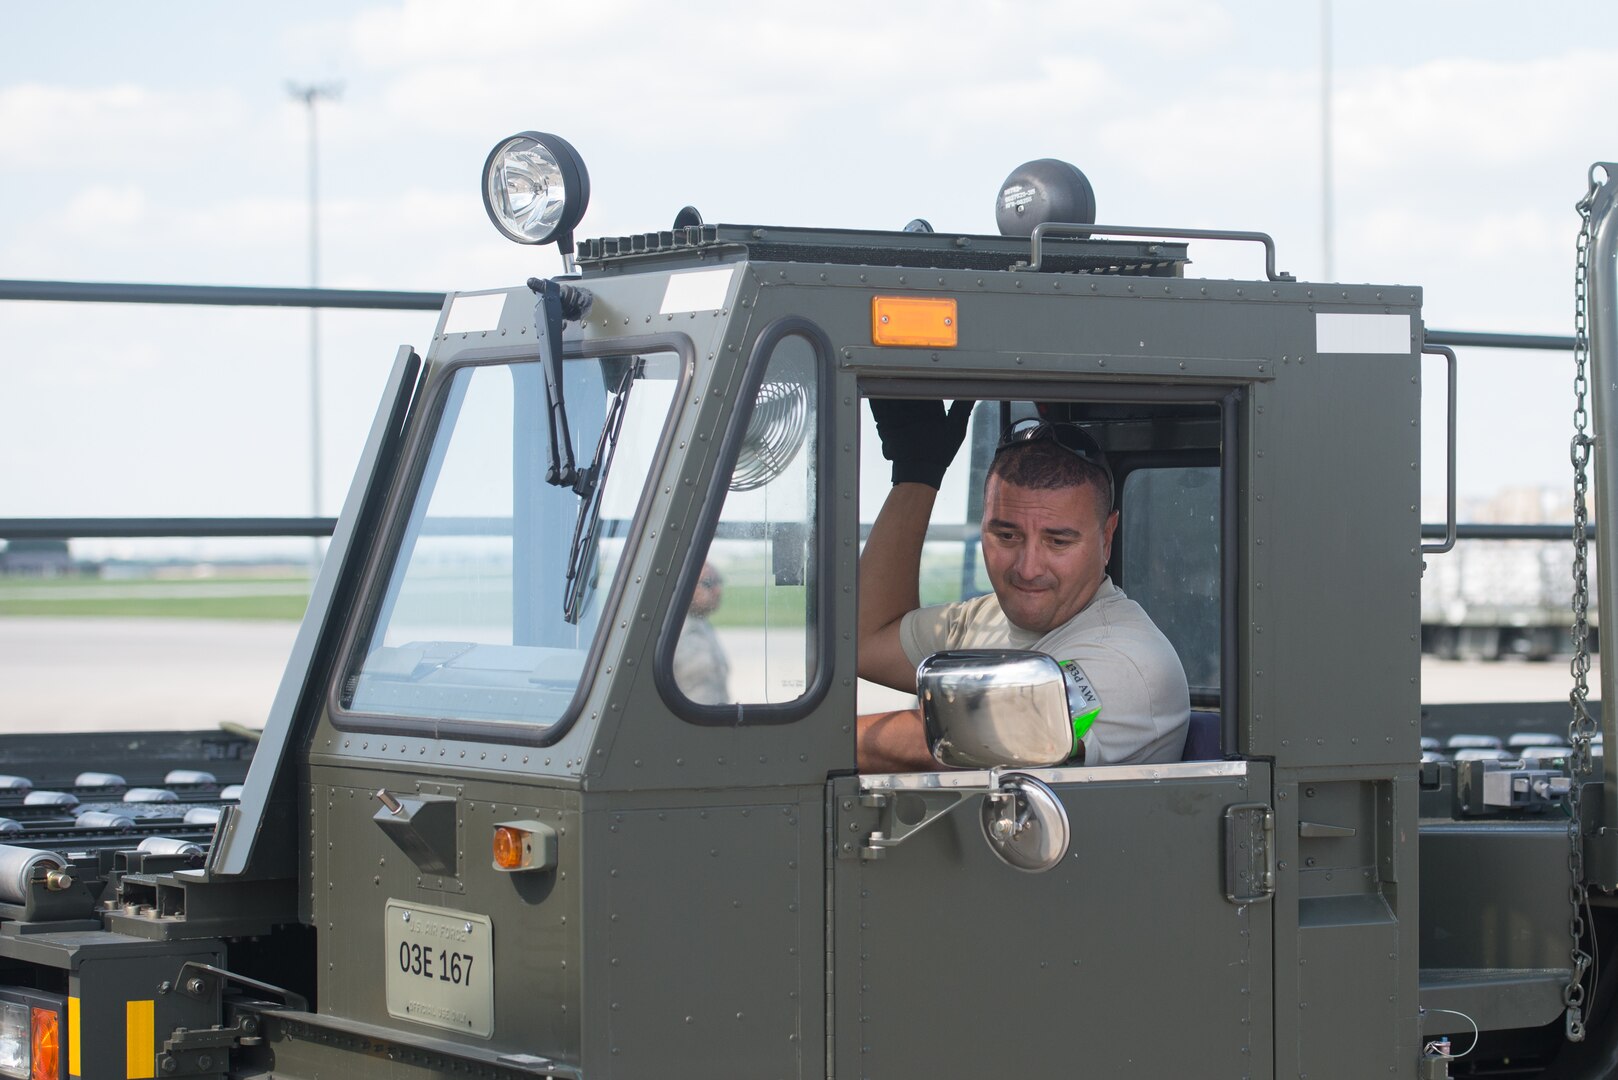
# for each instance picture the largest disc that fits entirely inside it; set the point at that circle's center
(697, 290)
(1362, 333)
(471, 313)
(1078, 774)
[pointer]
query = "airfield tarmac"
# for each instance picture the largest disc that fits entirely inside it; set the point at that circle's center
(99, 674)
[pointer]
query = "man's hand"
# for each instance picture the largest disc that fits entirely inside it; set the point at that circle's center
(919, 437)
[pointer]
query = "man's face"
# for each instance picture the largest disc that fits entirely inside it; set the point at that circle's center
(1046, 551)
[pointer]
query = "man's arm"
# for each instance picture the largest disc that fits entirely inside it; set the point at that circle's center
(893, 742)
(890, 584)
(921, 439)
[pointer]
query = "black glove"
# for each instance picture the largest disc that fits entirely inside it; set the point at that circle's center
(919, 437)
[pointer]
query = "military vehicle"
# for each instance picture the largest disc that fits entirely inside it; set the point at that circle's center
(489, 830)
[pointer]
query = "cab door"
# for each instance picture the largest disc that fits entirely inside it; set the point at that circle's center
(1146, 951)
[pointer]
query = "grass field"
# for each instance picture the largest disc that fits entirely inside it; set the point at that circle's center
(747, 601)
(282, 598)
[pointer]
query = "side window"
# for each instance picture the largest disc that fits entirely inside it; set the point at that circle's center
(749, 636)
(496, 580)
(1170, 562)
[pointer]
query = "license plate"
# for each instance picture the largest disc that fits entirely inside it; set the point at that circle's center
(439, 967)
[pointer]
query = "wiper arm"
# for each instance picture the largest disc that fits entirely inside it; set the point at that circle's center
(555, 305)
(588, 485)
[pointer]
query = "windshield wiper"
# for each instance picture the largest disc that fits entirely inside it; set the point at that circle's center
(588, 485)
(555, 305)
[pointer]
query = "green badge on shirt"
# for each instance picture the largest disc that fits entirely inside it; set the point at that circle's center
(1083, 703)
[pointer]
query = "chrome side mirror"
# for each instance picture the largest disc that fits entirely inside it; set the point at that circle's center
(995, 708)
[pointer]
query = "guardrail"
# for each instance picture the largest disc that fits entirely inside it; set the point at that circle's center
(146, 528)
(120, 292)
(102, 292)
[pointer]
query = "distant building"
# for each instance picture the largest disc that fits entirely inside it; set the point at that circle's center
(37, 558)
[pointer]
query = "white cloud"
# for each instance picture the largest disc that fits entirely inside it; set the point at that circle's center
(97, 207)
(753, 74)
(132, 234)
(733, 38)
(1510, 233)
(1455, 171)
(1455, 112)
(91, 128)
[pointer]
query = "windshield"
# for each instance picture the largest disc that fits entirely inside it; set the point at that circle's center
(491, 601)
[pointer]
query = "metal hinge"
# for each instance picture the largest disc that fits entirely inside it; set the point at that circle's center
(903, 814)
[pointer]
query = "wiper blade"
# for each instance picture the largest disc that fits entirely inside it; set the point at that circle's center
(555, 305)
(588, 483)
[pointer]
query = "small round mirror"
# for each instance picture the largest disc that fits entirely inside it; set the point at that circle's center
(1025, 824)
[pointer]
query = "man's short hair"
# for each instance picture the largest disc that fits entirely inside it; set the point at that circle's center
(1042, 465)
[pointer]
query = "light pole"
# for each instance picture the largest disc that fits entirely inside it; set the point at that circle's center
(309, 94)
(1328, 256)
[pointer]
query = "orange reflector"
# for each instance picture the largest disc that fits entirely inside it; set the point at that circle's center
(926, 321)
(47, 1045)
(508, 847)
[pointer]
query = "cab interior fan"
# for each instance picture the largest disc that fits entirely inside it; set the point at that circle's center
(775, 432)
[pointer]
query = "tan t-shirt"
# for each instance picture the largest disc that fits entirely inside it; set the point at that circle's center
(701, 669)
(1145, 703)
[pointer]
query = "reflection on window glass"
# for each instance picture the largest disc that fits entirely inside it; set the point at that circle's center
(748, 635)
(701, 664)
(471, 623)
(1170, 528)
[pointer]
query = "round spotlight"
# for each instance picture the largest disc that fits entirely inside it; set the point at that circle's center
(1040, 191)
(535, 188)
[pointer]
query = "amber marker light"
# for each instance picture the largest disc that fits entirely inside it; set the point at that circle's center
(916, 321)
(524, 846)
(47, 1045)
(510, 846)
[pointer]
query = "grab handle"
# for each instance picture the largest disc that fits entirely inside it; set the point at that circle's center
(1067, 228)
(1449, 496)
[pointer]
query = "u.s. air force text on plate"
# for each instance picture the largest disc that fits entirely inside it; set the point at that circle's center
(438, 967)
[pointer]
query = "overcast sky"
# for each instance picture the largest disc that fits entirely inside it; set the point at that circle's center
(157, 143)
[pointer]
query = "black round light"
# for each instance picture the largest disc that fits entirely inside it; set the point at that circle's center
(1040, 191)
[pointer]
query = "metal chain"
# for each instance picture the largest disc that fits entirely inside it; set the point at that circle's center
(1581, 727)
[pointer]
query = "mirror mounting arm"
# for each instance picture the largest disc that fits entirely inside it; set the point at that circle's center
(905, 813)
(1022, 818)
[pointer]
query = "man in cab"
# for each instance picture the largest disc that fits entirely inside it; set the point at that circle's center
(1049, 514)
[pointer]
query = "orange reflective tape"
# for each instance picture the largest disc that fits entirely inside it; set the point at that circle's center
(140, 1040)
(73, 1066)
(918, 321)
